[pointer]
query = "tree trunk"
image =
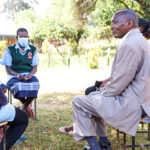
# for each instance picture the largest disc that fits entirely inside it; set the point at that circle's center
(48, 57)
(64, 55)
(69, 51)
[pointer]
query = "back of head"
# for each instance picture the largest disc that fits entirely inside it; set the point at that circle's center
(143, 24)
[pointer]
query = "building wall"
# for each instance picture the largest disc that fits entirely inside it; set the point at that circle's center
(10, 41)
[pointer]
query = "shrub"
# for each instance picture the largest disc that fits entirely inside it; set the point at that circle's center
(46, 46)
(93, 57)
(3, 45)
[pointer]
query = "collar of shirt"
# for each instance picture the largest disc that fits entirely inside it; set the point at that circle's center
(127, 34)
(26, 48)
(133, 30)
(22, 52)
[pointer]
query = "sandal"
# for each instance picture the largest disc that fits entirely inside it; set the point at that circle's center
(66, 130)
(21, 139)
(30, 112)
(18, 142)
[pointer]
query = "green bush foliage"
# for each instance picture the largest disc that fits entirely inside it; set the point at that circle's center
(46, 46)
(57, 23)
(3, 45)
(76, 19)
(92, 57)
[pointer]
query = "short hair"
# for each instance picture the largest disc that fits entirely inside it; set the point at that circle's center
(143, 24)
(21, 30)
(130, 15)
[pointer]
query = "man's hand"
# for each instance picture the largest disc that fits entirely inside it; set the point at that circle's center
(20, 77)
(147, 34)
(104, 82)
(28, 77)
(5, 90)
(94, 117)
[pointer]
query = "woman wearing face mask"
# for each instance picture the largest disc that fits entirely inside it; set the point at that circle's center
(21, 63)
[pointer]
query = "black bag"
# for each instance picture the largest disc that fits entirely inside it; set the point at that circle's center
(98, 83)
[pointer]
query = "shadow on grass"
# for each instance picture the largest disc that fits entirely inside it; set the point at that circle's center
(43, 134)
(57, 100)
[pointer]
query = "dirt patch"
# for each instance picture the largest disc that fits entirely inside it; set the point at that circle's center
(53, 105)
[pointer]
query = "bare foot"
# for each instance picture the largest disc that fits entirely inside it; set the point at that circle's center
(67, 130)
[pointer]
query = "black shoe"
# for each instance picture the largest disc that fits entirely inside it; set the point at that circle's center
(105, 146)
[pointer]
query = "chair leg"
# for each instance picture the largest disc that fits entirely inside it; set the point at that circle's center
(117, 134)
(9, 97)
(31, 105)
(124, 140)
(5, 141)
(35, 115)
(149, 132)
(133, 142)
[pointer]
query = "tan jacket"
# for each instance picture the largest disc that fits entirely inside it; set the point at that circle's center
(129, 85)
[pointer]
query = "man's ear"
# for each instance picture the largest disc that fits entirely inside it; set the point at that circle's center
(16, 37)
(130, 24)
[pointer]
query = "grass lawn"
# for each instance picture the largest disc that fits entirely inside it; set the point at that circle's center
(54, 111)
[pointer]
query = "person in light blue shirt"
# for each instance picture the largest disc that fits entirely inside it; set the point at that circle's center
(16, 118)
(21, 63)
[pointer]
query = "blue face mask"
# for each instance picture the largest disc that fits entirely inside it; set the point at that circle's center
(23, 42)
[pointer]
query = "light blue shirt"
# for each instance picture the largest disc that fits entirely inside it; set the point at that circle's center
(7, 59)
(7, 113)
(1, 82)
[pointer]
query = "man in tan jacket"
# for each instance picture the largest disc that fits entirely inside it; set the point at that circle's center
(125, 95)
